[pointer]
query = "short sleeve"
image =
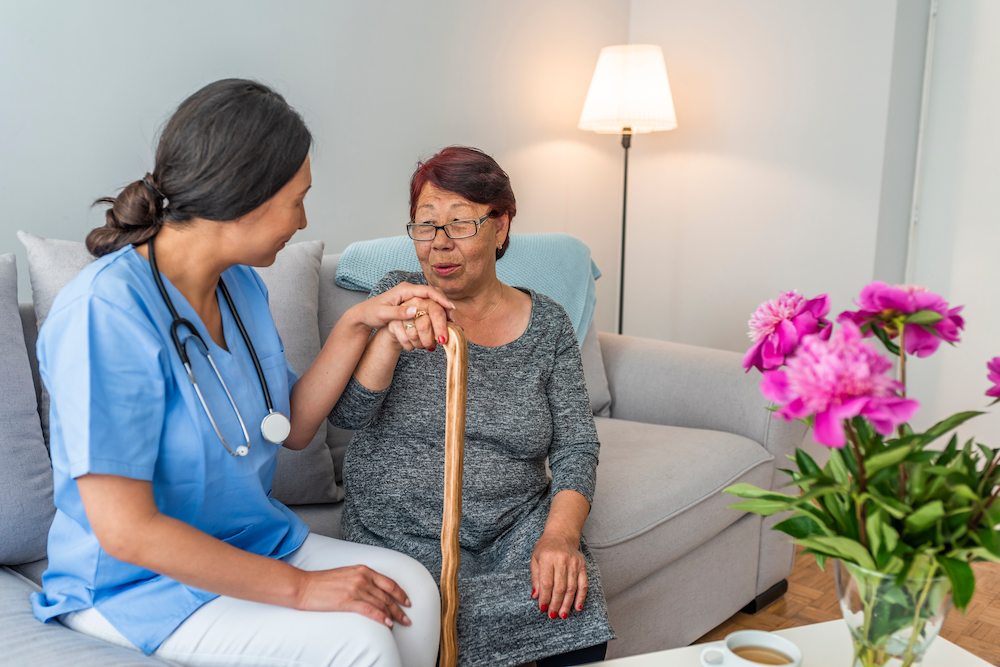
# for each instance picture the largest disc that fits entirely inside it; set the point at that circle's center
(105, 371)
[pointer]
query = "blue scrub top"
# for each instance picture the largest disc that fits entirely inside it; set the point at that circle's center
(122, 404)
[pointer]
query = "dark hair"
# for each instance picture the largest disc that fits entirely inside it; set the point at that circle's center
(469, 173)
(226, 150)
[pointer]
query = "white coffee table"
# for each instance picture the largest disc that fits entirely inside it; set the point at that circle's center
(823, 645)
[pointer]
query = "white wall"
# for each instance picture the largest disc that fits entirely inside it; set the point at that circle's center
(958, 235)
(85, 86)
(772, 179)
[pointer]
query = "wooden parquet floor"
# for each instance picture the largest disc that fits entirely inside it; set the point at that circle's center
(812, 598)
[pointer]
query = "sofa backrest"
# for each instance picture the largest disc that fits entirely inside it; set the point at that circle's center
(334, 301)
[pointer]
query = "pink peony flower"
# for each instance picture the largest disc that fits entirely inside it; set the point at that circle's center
(778, 325)
(881, 305)
(838, 379)
(993, 366)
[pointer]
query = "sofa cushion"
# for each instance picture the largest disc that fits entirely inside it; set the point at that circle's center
(293, 285)
(307, 475)
(659, 494)
(594, 373)
(26, 508)
(333, 303)
(51, 265)
(25, 641)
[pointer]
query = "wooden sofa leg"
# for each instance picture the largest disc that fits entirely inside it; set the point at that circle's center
(765, 599)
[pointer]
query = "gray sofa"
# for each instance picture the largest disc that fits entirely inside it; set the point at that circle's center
(677, 425)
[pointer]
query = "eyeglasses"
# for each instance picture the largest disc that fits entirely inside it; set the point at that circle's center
(459, 229)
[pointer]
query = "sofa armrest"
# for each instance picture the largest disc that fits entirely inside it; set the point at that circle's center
(657, 382)
(695, 387)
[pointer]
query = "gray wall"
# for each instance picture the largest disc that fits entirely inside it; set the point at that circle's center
(85, 86)
(790, 167)
(773, 179)
(957, 251)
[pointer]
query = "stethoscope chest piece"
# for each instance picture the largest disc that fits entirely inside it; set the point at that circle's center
(275, 428)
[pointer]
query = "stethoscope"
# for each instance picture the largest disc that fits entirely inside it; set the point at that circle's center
(275, 426)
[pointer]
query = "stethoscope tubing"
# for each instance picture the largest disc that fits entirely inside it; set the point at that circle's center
(274, 418)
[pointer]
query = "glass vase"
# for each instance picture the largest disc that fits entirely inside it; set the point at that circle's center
(891, 625)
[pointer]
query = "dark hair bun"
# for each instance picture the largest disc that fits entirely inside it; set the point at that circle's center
(226, 150)
(134, 217)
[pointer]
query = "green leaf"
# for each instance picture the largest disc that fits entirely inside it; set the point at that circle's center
(873, 526)
(948, 424)
(801, 525)
(885, 459)
(751, 491)
(891, 537)
(807, 466)
(963, 491)
(840, 547)
(893, 507)
(963, 581)
(884, 337)
(837, 468)
(924, 517)
(924, 317)
(759, 506)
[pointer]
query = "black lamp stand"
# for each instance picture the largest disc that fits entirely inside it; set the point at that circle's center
(626, 144)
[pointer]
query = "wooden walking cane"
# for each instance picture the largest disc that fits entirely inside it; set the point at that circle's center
(454, 450)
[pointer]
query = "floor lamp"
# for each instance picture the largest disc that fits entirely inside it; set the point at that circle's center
(629, 94)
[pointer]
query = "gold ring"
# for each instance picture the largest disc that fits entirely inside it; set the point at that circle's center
(419, 314)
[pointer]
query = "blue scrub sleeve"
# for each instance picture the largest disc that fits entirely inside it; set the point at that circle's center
(105, 370)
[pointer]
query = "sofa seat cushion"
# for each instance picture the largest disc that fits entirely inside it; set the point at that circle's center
(659, 494)
(25, 641)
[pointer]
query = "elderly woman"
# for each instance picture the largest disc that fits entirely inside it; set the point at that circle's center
(528, 585)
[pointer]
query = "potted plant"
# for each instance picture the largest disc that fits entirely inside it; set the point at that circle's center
(902, 520)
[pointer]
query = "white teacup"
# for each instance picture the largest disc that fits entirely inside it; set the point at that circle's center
(737, 651)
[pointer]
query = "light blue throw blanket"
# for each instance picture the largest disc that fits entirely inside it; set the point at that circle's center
(557, 265)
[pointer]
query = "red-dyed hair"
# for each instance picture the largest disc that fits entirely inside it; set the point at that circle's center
(469, 173)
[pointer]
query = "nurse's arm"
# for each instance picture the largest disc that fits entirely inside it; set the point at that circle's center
(319, 388)
(123, 515)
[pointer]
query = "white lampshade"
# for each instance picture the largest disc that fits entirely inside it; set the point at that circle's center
(629, 89)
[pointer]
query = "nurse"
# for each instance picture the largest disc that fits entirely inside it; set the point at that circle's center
(165, 539)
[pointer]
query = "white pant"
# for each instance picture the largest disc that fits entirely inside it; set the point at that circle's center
(228, 631)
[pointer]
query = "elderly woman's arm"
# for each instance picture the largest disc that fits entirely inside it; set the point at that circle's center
(558, 569)
(362, 398)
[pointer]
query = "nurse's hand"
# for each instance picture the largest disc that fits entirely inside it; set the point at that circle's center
(357, 588)
(400, 305)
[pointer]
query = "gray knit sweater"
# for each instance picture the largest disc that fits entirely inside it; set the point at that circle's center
(527, 402)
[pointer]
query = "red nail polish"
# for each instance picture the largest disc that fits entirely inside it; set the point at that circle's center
(564, 615)
(533, 592)
(441, 339)
(544, 607)
(579, 607)
(552, 615)
(431, 349)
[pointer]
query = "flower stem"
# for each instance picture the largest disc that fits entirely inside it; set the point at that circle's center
(862, 484)
(902, 381)
(918, 626)
(902, 357)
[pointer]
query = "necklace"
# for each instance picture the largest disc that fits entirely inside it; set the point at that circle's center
(499, 301)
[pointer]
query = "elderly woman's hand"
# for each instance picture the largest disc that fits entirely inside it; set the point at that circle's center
(558, 574)
(401, 306)
(425, 328)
